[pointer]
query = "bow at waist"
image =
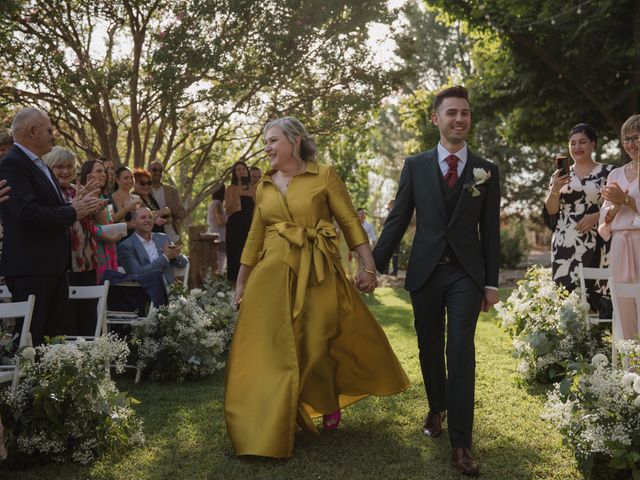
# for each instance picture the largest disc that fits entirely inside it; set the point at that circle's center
(311, 254)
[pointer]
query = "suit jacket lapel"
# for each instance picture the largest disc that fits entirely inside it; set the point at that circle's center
(464, 195)
(140, 251)
(433, 174)
(43, 177)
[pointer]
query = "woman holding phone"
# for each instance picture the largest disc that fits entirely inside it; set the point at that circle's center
(571, 211)
(239, 200)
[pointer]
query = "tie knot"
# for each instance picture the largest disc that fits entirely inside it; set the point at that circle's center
(452, 161)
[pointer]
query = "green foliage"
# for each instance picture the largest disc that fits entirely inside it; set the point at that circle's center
(514, 246)
(131, 81)
(66, 407)
(544, 67)
(187, 338)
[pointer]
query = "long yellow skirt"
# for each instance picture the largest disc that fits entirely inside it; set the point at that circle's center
(282, 373)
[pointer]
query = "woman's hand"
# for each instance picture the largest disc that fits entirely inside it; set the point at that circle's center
(588, 222)
(131, 204)
(112, 238)
(238, 294)
(558, 181)
(613, 193)
(366, 282)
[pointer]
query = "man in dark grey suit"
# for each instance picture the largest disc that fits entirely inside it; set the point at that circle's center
(36, 222)
(453, 266)
(146, 251)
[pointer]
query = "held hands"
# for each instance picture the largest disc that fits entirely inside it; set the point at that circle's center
(588, 222)
(366, 282)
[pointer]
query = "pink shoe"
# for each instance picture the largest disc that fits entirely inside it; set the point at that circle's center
(331, 421)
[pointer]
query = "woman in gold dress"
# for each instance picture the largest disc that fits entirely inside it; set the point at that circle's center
(305, 344)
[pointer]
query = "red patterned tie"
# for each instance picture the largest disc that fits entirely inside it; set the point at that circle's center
(451, 177)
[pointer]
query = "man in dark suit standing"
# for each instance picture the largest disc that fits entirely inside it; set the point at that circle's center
(36, 224)
(453, 266)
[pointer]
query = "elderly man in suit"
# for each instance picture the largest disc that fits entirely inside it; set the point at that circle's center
(146, 251)
(36, 222)
(167, 196)
(453, 266)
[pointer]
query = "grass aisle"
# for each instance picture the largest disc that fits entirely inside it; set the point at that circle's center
(380, 438)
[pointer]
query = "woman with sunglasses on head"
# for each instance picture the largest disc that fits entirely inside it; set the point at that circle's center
(571, 212)
(143, 188)
(620, 222)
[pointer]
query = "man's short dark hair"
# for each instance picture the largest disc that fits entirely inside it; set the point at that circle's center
(255, 168)
(458, 91)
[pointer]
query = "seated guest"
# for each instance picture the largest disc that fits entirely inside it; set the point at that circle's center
(145, 250)
(142, 187)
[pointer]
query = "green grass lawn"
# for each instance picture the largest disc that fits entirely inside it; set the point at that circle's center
(380, 438)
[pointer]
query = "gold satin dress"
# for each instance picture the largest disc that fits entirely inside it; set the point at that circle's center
(305, 343)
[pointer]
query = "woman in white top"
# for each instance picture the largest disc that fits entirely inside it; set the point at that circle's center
(217, 220)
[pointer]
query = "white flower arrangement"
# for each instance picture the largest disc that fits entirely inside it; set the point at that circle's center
(597, 410)
(187, 338)
(547, 326)
(480, 176)
(66, 407)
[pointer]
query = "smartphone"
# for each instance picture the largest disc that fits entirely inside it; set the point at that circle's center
(562, 164)
(244, 181)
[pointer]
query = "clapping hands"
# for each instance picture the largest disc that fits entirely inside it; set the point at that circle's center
(86, 201)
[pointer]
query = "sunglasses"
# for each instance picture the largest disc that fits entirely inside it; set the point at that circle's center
(144, 183)
(157, 170)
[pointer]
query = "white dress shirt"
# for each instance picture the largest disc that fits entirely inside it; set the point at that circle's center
(149, 247)
(158, 194)
(443, 153)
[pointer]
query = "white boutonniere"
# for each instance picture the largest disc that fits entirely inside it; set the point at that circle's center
(480, 176)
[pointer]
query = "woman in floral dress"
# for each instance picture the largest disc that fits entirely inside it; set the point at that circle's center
(571, 211)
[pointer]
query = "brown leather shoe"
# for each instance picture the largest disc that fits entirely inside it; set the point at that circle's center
(433, 424)
(464, 462)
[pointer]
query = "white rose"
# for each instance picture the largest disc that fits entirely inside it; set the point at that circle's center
(29, 353)
(628, 379)
(600, 359)
(480, 174)
(636, 385)
(220, 294)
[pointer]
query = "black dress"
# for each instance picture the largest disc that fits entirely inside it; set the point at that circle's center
(238, 225)
(569, 247)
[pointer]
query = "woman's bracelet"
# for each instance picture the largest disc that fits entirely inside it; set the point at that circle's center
(370, 272)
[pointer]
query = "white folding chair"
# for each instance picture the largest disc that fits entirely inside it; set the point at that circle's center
(11, 373)
(590, 273)
(183, 272)
(619, 291)
(98, 292)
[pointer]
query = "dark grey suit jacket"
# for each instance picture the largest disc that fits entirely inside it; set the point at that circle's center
(473, 231)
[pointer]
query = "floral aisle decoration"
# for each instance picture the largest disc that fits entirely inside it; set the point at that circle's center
(547, 326)
(597, 410)
(66, 407)
(187, 338)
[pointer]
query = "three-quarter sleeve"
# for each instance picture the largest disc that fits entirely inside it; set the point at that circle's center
(343, 211)
(255, 239)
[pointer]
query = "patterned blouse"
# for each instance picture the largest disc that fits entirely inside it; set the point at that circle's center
(83, 240)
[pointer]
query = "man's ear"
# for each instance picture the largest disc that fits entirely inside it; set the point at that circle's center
(434, 118)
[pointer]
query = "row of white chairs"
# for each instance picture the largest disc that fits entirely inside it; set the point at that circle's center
(617, 291)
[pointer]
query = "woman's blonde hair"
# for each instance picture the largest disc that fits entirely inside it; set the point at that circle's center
(292, 129)
(59, 155)
(631, 124)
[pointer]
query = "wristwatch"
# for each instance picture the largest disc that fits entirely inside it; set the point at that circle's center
(626, 199)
